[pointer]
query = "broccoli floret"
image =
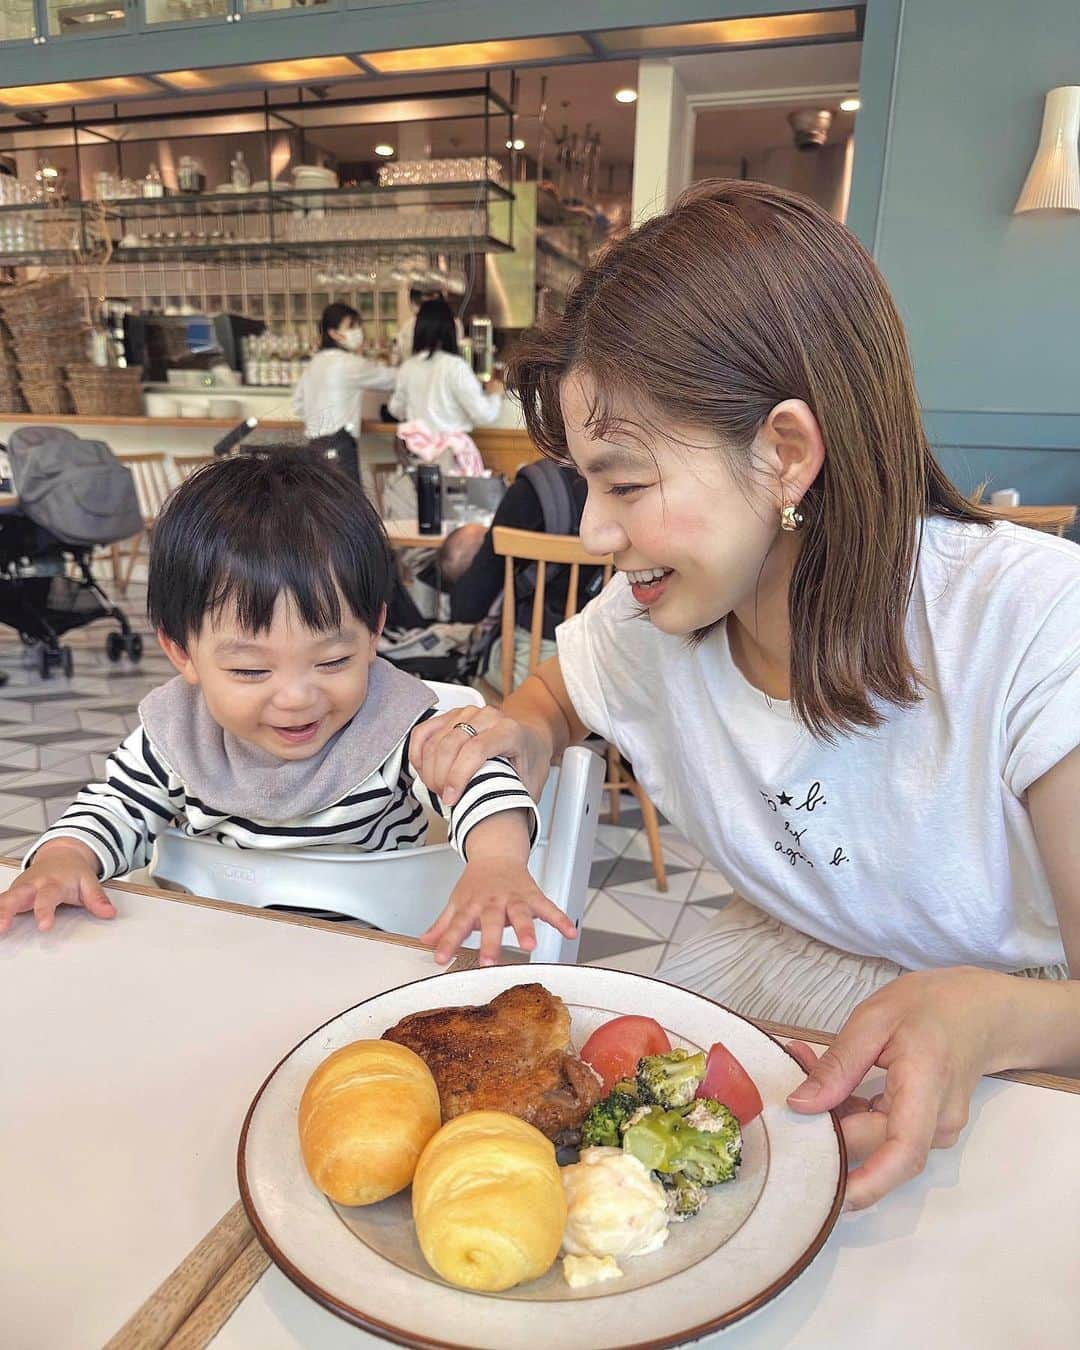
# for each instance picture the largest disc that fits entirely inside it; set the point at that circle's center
(701, 1142)
(604, 1124)
(684, 1197)
(671, 1079)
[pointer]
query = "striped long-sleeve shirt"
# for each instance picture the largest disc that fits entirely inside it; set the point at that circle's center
(141, 796)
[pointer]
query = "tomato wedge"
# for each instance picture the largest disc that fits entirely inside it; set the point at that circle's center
(614, 1049)
(727, 1081)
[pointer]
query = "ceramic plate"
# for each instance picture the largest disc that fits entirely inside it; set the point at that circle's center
(752, 1239)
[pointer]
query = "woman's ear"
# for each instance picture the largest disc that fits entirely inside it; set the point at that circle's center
(178, 657)
(793, 444)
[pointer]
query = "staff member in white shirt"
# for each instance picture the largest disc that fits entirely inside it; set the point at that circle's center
(437, 388)
(856, 693)
(328, 394)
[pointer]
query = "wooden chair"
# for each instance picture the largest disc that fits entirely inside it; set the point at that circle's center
(1052, 519)
(183, 466)
(567, 550)
(505, 449)
(152, 485)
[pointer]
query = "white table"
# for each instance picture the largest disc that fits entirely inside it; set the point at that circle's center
(406, 534)
(133, 1048)
(980, 1253)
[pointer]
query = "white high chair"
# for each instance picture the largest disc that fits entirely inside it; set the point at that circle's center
(403, 890)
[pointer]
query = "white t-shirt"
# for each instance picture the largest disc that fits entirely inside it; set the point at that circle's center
(442, 391)
(910, 842)
(328, 393)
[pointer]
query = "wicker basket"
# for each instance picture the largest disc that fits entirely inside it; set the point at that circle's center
(45, 398)
(99, 391)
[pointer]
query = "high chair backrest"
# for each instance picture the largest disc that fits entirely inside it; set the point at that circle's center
(540, 549)
(402, 891)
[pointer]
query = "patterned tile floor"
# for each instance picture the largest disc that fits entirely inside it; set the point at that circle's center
(56, 733)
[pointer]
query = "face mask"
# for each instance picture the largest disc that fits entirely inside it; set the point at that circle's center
(352, 339)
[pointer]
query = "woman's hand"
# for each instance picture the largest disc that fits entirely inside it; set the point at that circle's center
(935, 1033)
(446, 757)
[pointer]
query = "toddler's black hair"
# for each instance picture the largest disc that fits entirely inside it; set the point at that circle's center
(241, 531)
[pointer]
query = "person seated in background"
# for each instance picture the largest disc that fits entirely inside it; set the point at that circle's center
(282, 728)
(544, 497)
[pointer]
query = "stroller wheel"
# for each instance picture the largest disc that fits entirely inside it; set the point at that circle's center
(67, 661)
(134, 645)
(114, 646)
(44, 662)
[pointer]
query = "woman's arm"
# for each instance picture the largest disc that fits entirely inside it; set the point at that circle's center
(363, 374)
(479, 408)
(534, 725)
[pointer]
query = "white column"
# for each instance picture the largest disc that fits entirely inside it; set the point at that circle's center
(663, 139)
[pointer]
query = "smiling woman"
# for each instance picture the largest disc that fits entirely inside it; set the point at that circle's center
(823, 662)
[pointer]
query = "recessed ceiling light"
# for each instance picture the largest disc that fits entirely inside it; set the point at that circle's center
(517, 144)
(625, 95)
(850, 105)
(81, 91)
(385, 150)
(463, 55)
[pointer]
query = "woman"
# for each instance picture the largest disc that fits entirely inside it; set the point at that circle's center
(438, 399)
(329, 392)
(855, 692)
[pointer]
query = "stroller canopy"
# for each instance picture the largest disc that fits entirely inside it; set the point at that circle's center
(77, 490)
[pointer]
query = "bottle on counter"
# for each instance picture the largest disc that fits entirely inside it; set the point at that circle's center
(152, 186)
(241, 174)
(429, 499)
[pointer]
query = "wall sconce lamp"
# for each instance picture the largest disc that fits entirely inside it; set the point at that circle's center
(1053, 181)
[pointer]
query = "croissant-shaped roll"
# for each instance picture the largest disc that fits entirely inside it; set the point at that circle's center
(365, 1116)
(488, 1202)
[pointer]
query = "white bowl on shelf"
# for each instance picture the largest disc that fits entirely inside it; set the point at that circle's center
(195, 407)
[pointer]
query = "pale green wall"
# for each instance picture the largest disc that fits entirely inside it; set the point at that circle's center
(991, 300)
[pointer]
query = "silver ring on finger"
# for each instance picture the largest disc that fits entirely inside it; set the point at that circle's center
(467, 728)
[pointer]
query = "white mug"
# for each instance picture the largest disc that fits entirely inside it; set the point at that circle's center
(1005, 497)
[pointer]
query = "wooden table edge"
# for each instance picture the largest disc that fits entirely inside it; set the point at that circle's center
(1032, 1077)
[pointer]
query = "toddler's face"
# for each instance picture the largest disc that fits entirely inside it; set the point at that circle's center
(287, 690)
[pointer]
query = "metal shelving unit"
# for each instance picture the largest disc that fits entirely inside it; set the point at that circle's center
(281, 222)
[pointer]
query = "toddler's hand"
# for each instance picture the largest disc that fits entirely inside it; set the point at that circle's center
(64, 872)
(493, 892)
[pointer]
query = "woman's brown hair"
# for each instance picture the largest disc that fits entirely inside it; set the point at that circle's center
(741, 296)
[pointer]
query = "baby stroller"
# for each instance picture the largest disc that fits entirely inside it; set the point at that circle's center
(72, 495)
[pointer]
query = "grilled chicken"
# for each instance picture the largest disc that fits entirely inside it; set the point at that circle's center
(512, 1054)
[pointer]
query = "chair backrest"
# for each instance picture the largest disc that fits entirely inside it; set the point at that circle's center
(401, 891)
(504, 449)
(183, 466)
(540, 549)
(1051, 519)
(150, 471)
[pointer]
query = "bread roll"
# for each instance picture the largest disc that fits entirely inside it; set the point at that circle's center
(488, 1202)
(365, 1116)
